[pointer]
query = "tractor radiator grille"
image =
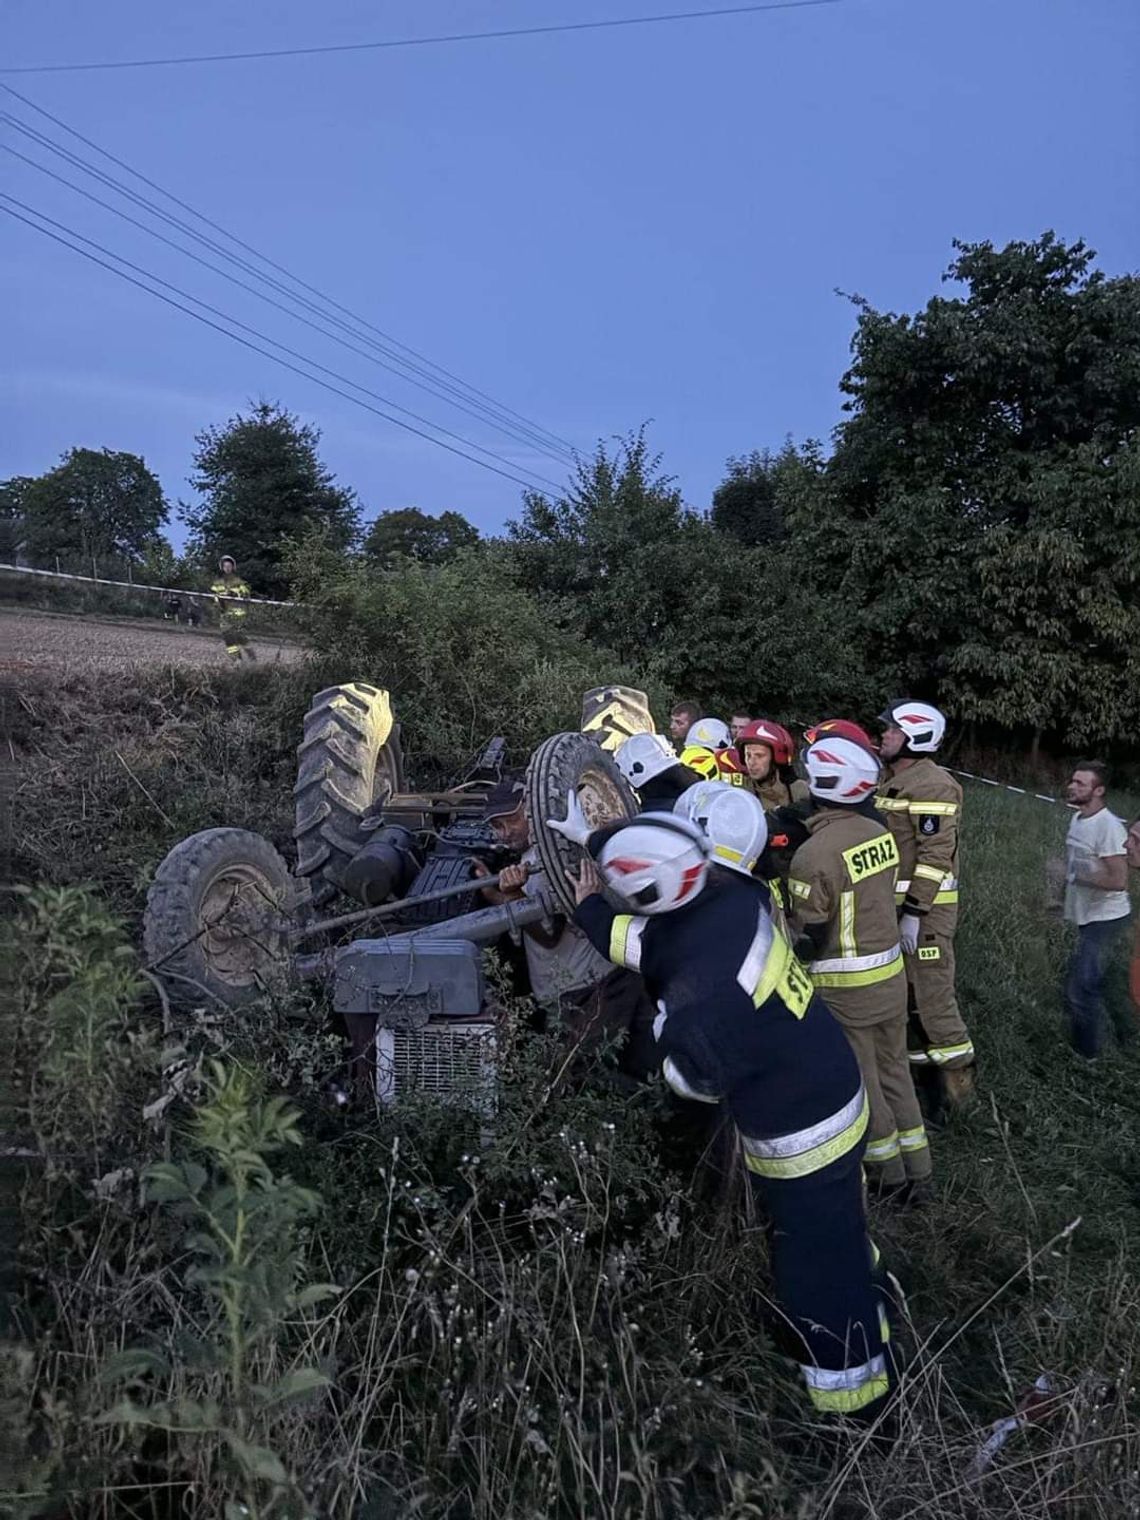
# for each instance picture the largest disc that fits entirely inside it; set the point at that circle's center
(447, 1060)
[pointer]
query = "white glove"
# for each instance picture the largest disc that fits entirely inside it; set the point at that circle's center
(909, 925)
(574, 826)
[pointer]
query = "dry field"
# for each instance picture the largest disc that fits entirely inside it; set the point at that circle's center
(32, 641)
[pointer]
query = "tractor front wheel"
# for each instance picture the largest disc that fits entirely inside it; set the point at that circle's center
(218, 916)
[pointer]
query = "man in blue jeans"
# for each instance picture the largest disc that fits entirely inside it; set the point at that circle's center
(1096, 900)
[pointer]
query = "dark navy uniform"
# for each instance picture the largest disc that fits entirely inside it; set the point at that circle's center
(741, 1024)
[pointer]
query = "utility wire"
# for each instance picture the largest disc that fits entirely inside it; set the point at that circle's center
(453, 394)
(406, 42)
(205, 305)
(508, 474)
(415, 360)
(261, 296)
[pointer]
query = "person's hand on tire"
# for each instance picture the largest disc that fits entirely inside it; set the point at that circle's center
(587, 880)
(574, 826)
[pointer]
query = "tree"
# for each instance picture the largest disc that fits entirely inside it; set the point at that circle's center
(95, 504)
(976, 523)
(745, 504)
(621, 563)
(608, 558)
(418, 535)
(13, 495)
(264, 486)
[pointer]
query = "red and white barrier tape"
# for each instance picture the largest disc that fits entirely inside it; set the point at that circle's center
(1021, 791)
(91, 580)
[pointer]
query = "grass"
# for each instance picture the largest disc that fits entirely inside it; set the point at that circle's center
(539, 1321)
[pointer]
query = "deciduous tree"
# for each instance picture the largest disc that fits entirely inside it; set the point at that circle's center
(263, 486)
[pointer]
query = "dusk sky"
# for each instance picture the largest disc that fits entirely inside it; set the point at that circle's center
(596, 228)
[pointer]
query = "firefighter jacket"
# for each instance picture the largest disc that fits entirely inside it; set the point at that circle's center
(775, 793)
(230, 586)
(841, 885)
(740, 1023)
(713, 764)
(922, 804)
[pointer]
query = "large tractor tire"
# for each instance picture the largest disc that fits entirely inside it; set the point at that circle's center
(610, 714)
(218, 916)
(562, 763)
(348, 760)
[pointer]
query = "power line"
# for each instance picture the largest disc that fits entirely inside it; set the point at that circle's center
(418, 363)
(406, 42)
(252, 290)
(245, 342)
(244, 326)
(453, 394)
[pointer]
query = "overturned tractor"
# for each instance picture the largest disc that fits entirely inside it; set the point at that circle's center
(227, 919)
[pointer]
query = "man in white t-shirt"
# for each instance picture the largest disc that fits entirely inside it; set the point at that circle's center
(1096, 900)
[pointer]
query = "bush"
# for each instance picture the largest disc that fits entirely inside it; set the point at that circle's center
(465, 653)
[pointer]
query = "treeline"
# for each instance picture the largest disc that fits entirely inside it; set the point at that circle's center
(973, 536)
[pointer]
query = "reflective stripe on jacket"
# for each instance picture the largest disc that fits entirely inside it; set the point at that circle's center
(740, 1020)
(843, 877)
(922, 805)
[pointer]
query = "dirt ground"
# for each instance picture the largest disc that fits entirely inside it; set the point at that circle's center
(32, 641)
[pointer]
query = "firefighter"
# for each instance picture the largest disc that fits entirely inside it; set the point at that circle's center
(736, 827)
(649, 763)
(739, 1023)
(766, 751)
(733, 821)
(840, 728)
(923, 808)
(845, 927)
(708, 751)
(231, 613)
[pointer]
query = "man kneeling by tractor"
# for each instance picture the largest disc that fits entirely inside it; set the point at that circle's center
(589, 998)
(740, 1024)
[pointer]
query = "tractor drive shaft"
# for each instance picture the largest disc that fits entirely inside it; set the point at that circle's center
(364, 914)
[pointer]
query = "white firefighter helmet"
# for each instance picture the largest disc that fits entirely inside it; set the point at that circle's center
(923, 725)
(841, 771)
(643, 756)
(656, 862)
(709, 733)
(733, 819)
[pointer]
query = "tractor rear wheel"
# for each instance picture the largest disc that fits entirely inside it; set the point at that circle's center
(348, 760)
(564, 763)
(217, 917)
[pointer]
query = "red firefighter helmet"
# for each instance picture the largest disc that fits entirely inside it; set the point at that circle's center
(840, 728)
(774, 735)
